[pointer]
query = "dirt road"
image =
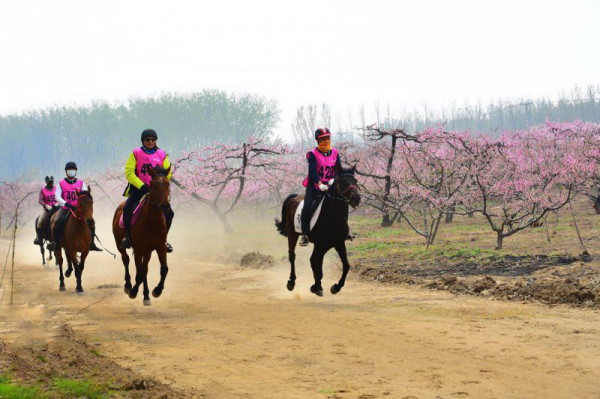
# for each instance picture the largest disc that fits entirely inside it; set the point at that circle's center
(232, 333)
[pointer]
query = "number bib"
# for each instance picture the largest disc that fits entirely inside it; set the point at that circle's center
(325, 165)
(70, 190)
(49, 196)
(144, 161)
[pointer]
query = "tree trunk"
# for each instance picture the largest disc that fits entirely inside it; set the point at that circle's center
(450, 215)
(388, 220)
(499, 241)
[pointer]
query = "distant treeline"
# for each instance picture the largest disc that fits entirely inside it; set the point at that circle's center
(40, 142)
(501, 115)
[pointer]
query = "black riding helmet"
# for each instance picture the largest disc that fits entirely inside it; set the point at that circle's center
(71, 165)
(322, 132)
(49, 179)
(149, 133)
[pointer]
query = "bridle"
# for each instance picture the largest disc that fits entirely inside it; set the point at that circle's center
(160, 206)
(77, 209)
(343, 198)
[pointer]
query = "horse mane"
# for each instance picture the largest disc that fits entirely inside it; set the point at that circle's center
(161, 171)
(348, 171)
(87, 193)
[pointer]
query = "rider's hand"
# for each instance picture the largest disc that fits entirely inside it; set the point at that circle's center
(71, 207)
(144, 189)
(330, 182)
(48, 208)
(323, 187)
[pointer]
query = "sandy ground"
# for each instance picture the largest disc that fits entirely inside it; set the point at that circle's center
(233, 333)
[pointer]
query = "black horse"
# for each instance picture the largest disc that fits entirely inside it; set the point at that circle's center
(44, 235)
(330, 231)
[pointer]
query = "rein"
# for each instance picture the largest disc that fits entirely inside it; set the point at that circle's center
(73, 212)
(343, 197)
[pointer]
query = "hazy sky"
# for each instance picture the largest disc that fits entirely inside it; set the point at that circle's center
(342, 52)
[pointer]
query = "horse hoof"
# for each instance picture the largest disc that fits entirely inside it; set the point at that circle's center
(316, 291)
(68, 273)
(147, 302)
(80, 292)
(126, 290)
(291, 285)
(156, 293)
(335, 289)
(62, 288)
(132, 294)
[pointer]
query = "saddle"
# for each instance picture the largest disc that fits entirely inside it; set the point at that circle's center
(136, 212)
(317, 205)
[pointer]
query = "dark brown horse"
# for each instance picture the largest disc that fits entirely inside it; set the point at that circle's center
(330, 231)
(148, 234)
(45, 236)
(76, 237)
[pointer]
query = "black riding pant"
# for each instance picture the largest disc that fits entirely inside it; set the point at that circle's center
(133, 200)
(309, 197)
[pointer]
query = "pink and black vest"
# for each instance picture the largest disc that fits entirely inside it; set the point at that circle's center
(144, 161)
(70, 190)
(325, 166)
(49, 196)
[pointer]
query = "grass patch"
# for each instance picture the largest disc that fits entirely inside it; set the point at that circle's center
(8, 390)
(80, 388)
(95, 352)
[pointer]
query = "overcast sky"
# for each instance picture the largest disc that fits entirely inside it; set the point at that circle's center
(342, 52)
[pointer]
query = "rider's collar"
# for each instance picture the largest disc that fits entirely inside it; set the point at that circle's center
(147, 151)
(328, 153)
(71, 181)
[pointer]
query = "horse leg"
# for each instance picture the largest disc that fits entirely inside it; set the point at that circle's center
(137, 257)
(49, 255)
(70, 264)
(316, 264)
(80, 266)
(59, 262)
(164, 270)
(341, 250)
(292, 241)
(43, 252)
(145, 262)
(125, 259)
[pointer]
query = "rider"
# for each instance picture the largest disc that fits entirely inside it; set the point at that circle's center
(47, 199)
(136, 172)
(66, 196)
(323, 166)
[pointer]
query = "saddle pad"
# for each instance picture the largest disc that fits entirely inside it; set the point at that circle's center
(136, 213)
(313, 220)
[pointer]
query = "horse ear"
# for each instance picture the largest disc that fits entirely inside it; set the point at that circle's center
(89, 189)
(354, 169)
(168, 170)
(151, 171)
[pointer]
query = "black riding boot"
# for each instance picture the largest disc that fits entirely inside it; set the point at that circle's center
(92, 225)
(169, 214)
(305, 216)
(126, 242)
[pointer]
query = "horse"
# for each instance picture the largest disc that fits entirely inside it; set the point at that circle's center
(330, 231)
(45, 236)
(148, 234)
(76, 237)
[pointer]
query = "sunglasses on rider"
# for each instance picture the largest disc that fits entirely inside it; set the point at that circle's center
(150, 139)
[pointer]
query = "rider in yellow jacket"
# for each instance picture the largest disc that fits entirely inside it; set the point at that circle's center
(135, 173)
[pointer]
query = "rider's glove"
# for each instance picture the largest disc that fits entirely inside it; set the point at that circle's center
(330, 182)
(71, 206)
(48, 208)
(323, 187)
(144, 189)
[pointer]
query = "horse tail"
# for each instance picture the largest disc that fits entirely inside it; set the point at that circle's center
(281, 224)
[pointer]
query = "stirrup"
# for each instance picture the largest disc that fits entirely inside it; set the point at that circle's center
(169, 248)
(94, 247)
(51, 246)
(36, 241)
(125, 243)
(304, 241)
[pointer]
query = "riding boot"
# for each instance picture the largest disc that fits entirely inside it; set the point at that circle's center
(37, 239)
(304, 241)
(92, 225)
(169, 214)
(126, 242)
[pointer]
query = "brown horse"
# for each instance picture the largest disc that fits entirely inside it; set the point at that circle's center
(76, 237)
(330, 231)
(148, 234)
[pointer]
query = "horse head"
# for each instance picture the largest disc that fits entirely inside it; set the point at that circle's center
(85, 204)
(347, 186)
(160, 186)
